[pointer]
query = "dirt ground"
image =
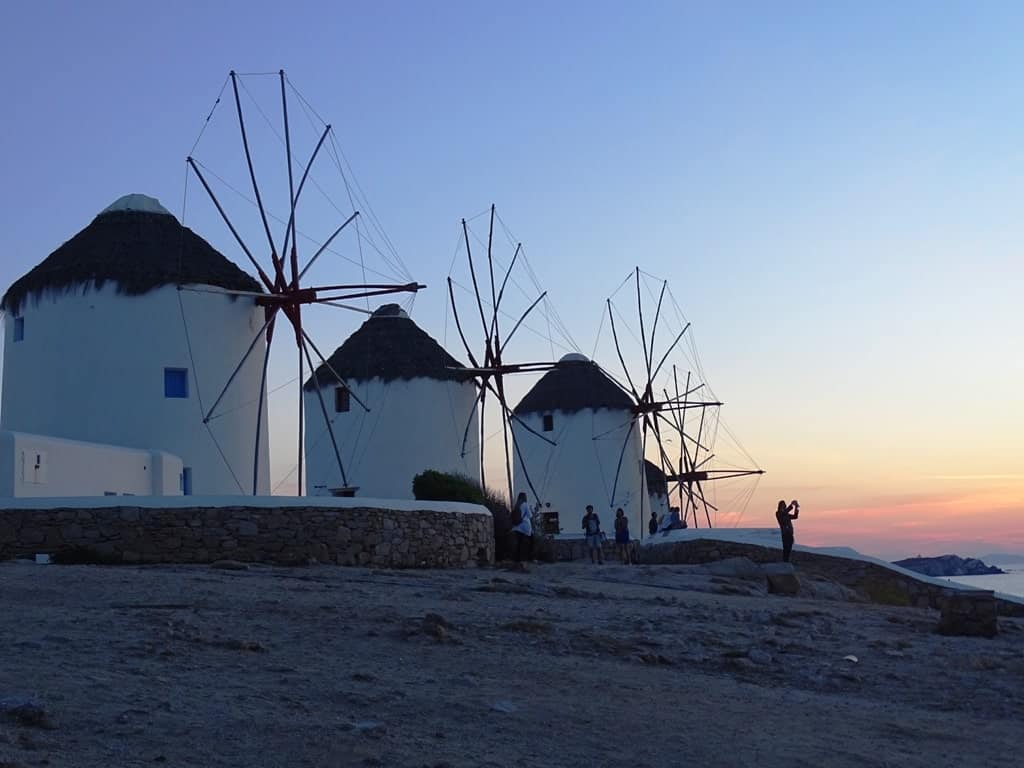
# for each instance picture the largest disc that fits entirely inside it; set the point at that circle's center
(566, 665)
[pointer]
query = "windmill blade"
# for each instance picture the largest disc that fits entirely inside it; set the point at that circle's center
(618, 351)
(291, 192)
(469, 421)
(252, 176)
(654, 328)
(522, 318)
(670, 349)
(327, 420)
(458, 325)
(299, 333)
(490, 269)
(476, 287)
(501, 292)
(241, 364)
(643, 335)
(333, 372)
(326, 244)
(259, 409)
(238, 238)
(622, 453)
(289, 230)
(511, 415)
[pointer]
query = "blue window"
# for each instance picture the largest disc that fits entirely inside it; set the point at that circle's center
(186, 481)
(175, 382)
(19, 328)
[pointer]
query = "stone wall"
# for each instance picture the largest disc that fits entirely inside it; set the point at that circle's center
(875, 582)
(285, 535)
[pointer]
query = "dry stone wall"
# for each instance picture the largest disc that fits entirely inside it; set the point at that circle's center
(875, 582)
(357, 536)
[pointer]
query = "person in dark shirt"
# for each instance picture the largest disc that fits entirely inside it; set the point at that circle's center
(595, 537)
(785, 519)
(652, 524)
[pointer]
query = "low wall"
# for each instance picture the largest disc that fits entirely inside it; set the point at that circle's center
(876, 582)
(374, 536)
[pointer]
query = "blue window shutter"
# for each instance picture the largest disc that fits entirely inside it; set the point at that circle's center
(19, 328)
(175, 382)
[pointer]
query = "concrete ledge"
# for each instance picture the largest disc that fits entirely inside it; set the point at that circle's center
(346, 534)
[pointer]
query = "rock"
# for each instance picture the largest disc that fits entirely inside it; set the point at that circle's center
(26, 712)
(435, 626)
(759, 657)
(736, 567)
(970, 613)
(504, 706)
(372, 728)
(782, 579)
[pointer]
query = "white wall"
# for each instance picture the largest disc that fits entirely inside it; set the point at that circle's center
(91, 367)
(41, 466)
(581, 470)
(412, 425)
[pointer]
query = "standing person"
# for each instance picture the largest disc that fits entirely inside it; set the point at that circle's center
(592, 529)
(652, 524)
(622, 536)
(522, 526)
(785, 519)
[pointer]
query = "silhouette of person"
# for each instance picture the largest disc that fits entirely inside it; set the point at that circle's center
(785, 519)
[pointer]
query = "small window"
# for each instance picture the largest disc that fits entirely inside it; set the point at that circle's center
(19, 328)
(186, 481)
(175, 382)
(549, 422)
(342, 400)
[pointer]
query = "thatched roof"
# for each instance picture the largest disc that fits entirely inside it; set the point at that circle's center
(657, 483)
(389, 346)
(135, 244)
(575, 384)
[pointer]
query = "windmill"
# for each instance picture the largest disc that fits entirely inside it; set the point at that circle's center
(669, 407)
(490, 365)
(283, 267)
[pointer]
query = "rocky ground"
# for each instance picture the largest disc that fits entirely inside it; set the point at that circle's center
(566, 665)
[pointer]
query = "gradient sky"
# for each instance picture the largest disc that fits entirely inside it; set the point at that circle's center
(832, 190)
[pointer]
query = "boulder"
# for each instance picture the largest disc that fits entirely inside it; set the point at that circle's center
(782, 579)
(736, 567)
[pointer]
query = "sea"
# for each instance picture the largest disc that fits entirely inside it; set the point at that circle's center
(1009, 583)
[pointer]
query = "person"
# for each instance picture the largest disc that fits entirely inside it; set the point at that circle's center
(592, 530)
(785, 519)
(652, 524)
(523, 528)
(622, 536)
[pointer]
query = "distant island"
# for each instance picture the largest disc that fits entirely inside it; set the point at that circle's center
(948, 565)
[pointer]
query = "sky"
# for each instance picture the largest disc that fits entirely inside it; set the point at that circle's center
(831, 191)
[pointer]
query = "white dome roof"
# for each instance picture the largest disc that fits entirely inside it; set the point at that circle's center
(136, 202)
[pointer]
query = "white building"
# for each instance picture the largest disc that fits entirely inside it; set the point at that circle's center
(596, 458)
(417, 406)
(101, 347)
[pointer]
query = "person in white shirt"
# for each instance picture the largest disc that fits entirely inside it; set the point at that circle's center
(522, 526)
